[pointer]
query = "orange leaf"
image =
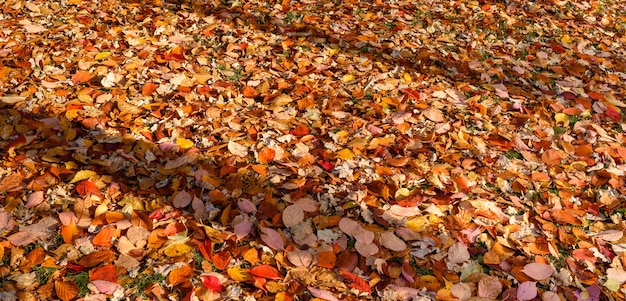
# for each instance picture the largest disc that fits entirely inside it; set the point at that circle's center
(584, 150)
(356, 281)
(266, 155)
(69, 233)
(66, 290)
(250, 92)
(81, 77)
(540, 176)
(221, 260)
(96, 258)
(326, 259)
(562, 217)
(266, 271)
(595, 95)
(180, 275)
(103, 238)
(148, 88)
(551, 157)
(106, 272)
(260, 169)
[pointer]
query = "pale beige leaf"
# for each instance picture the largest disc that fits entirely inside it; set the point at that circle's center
(237, 149)
(292, 216)
(392, 242)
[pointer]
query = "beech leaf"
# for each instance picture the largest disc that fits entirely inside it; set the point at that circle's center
(538, 271)
(300, 258)
(272, 238)
(527, 290)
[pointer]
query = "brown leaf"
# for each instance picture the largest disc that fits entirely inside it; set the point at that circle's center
(96, 258)
(106, 272)
(66, 290)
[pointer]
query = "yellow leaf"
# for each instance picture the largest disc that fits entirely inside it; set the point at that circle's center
(70, 165)
(251, 255)
(566, 39)
(176, 250)
(184, 143)
(560, 117)
(102, 55)
(238, 274)
(407, 77)
(84, 98)
(345, 154)
(83, 175)
(333, 51)
(71, 114)
(347, 78)
(417, 224)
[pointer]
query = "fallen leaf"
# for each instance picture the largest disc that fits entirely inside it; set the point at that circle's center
(292, 216)
(272, 238)
(266, 271)
(179, 275)
(489, 287)
(66, 290)
(538, 271)
(527, 291)
(34, 199)
(300, 258)
(237, 149)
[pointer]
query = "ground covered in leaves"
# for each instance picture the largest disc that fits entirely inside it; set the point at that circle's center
(345, 150)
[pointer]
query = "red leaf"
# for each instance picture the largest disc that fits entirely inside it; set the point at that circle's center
(212, 283)
(87, 187)
(613, 113)
(266, 271)
(17, 142)
(326, 165)
(357, 282)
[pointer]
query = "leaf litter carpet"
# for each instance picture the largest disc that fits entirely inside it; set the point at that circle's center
(312, 150)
